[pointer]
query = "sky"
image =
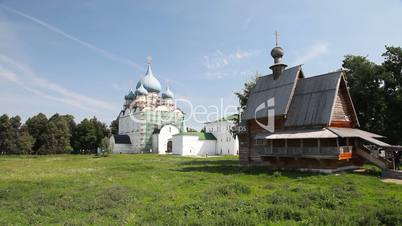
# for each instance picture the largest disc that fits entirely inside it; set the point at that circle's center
(80, 57)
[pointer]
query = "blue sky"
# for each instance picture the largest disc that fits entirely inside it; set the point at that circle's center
(80, 56)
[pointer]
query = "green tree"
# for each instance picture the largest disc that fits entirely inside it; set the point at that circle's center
(15, 124)
(244, 94)
(72, 125)
(5, 135)
(392, 71)
(365, 81)
(376, 91)
(14, 139)
(85, 137)
(101, 130)
(114, 127)
(35, 126)
(106, 147)
(56, 136)
(25, 141)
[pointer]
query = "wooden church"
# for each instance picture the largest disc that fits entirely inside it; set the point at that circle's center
(293, 121)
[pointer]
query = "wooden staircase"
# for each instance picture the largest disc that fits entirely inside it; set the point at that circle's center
(372, 153)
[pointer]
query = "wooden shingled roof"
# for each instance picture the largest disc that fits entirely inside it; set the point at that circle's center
(304, 102)
(313, 100)
(267, 87)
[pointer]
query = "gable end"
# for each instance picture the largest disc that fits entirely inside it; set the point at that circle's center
(343, 113)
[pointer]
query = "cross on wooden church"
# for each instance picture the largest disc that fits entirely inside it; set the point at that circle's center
(276, 38)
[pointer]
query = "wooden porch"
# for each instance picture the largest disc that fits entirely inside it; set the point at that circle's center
(304, 148)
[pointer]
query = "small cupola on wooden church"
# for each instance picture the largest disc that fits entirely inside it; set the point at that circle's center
(277, 53)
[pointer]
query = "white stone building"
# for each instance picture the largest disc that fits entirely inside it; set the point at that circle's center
(146, 112)
(227, 143)
(194, 144)
(162, 139)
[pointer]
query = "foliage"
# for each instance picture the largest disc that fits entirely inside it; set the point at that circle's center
(85, 136)
(106, 147)
(35, 126)
(246, 91)
(57, 135)
(189, 129)
(88, 135)
(25, 142)
(150, 189)
(114, 127)
(376, 91)
(14, 139)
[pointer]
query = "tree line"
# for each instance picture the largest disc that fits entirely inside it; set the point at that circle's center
(376, 90)
(58, 134)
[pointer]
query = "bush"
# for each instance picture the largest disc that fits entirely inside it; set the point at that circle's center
(233, 189)
(277, 174)
(106, 147)
(282, 212)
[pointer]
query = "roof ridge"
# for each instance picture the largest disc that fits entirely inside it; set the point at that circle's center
(321, 75)
(317, 91)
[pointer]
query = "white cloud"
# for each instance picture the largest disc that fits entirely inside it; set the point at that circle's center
(216, 60)
(216, 75)
(98, 50)
(216, 63)
(24, 77)
(8, 75)
(219, 60)
(317, 50)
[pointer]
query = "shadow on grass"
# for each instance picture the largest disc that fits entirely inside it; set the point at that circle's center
(229, 167)
(368, 170)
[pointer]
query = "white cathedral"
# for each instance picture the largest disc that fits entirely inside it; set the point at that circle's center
(148, 119)
(150, 122)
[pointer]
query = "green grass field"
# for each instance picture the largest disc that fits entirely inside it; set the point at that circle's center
(169, 190)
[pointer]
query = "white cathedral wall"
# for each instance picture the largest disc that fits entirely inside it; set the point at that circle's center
(226, 144)
(120, 148)
(123, 149)
(128, 125)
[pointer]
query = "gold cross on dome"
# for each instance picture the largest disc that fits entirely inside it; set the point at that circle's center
(149, 59)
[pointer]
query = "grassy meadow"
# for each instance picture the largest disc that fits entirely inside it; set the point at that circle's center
(170, 190)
